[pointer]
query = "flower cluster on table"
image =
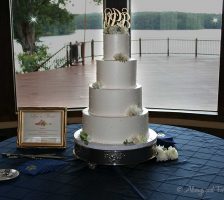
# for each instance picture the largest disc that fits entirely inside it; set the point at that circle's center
(164, 154)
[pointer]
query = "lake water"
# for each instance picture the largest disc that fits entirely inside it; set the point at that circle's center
(56, 42)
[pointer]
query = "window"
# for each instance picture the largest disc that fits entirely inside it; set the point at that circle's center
(179, 44)
(53, 36)
(7, 112)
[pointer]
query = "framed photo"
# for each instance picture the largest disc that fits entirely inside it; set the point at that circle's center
(42, 127)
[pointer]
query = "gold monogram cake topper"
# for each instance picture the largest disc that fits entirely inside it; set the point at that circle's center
(114, 17)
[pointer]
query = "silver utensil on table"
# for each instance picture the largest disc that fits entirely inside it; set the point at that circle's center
(32, 156)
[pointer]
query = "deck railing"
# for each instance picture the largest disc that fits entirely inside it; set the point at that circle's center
(167, 47)
(57, 60)
(68, 55)
(73, 54)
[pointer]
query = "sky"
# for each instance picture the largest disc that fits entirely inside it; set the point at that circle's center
(196, 6)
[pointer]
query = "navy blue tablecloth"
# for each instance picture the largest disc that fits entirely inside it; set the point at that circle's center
(197, 174)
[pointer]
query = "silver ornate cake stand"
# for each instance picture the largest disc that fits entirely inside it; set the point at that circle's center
(113, 154)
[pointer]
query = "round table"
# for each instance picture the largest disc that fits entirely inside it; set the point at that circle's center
(197, 174)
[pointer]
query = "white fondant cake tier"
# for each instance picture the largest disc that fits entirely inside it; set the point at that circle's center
(115, 74)
(114, 130)
(113, 102)
(114, 44)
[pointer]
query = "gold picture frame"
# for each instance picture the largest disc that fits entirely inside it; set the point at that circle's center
(42, 127)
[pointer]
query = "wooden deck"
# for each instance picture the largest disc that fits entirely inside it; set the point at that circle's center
(176, 82)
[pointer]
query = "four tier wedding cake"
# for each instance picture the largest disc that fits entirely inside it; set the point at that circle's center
(115, 114)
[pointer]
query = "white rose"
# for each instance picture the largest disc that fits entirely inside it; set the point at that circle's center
(172, 153)
(97, 85)
(133, 110)
(161, 154)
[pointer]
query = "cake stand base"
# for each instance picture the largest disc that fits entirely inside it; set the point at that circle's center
(112, 154)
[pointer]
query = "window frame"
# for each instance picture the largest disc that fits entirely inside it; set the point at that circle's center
(221, 72)
(8, 104)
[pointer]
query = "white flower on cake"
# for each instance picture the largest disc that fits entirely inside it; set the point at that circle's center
(164, 154)
(133, 110)
(122, 29)
(139, 139)
(121, 57)
(116, 29)
(97, 85)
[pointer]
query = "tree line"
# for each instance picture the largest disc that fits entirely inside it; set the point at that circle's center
(157, 21)
(140, 21)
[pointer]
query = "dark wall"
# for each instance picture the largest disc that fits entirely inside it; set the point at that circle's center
(7, 94)
(116, 4)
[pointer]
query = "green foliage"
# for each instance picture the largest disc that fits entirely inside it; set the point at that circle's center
(157, 21)
(168, 21)
(84, 137)
(48, 13)
(93, 21)
(126, 142)
(30, 62)
(57, 21)
(59, 62)
(174, 21)
(58, 28)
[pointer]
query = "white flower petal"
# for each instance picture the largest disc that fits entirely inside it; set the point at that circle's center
(172, 153)
(133, 110)
(161, 156)
(164, 154)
